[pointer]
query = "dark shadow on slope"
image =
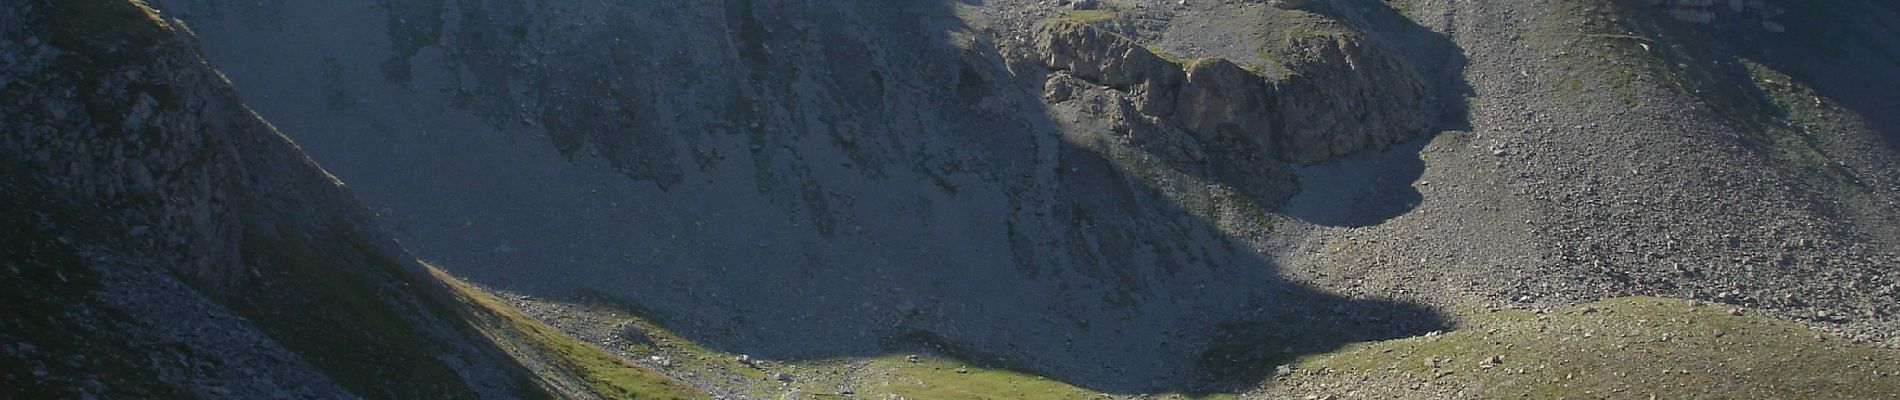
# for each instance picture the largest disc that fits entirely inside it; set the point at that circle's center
(1130, 275)
(1259, 320)
(48, 289)
(1846, 52)
(1437, 60)
(1361, 190)
(178, 130)
(1370, 188)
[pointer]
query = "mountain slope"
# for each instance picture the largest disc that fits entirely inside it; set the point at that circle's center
(1149, 196)
(166, 242)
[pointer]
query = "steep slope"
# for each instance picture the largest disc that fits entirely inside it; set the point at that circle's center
(797, 180)
(1148, 196)
(1615, 150)
(165, 242)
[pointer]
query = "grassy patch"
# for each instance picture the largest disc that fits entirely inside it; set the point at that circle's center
(602, 373)
(1087, 16)
(1278, 31)
(1186, 62)
(1269, 67)
(687, 358)
(1594, 55)
(1627, 347)
(939, 378)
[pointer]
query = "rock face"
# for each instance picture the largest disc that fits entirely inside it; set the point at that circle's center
(160, 229)
(1340, 95)
(174, 180)
(1343, 95)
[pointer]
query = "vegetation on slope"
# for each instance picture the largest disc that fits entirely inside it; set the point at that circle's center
(1619, 348)
(1604, 50)
(1624, 348)
(1088, 16)
(936, 378)
(941, 378)
(603, 374)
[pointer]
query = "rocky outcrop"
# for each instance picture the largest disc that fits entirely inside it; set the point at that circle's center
(1343, 94)
(1221, 99)
(1107, 59)
(124, 134)
(1340, 95)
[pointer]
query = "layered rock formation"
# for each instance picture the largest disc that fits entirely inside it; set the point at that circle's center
(1339, 96)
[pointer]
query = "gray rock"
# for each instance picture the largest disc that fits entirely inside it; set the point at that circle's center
(1341, 96)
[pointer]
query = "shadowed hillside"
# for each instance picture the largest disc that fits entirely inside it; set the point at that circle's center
(165, 242)
(961, 198)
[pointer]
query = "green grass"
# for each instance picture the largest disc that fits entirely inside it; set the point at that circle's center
(1627, 348)
(1088, 16)
(1185, 62)
(604, 374)
(1597, 64)
(939, 378)
(1278, 30)
(688, 358)
(1612, 348)
(1269, 66)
